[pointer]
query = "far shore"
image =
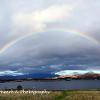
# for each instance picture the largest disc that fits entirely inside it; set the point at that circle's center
(22, 80)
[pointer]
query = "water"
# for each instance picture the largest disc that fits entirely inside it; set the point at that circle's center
(53, 85)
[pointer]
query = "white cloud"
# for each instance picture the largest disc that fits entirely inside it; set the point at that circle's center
(9, 72)
(37, 20)
(53, 13)
(73, 72)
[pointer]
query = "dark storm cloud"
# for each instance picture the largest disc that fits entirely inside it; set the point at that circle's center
(49, 48)
(52, 48)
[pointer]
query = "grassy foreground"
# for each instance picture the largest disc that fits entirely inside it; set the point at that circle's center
(61, 95)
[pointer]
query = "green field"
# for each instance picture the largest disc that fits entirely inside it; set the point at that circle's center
(56, 95)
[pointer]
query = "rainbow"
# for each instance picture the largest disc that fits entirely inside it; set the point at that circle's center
(82, 34)
(11, 43)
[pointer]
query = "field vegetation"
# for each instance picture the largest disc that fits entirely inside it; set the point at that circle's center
(54, 95)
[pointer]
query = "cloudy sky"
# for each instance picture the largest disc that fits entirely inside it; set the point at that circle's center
(49, 35)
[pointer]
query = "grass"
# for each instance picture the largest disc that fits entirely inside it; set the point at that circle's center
(56, 95)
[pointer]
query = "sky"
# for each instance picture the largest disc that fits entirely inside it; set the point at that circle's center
(49, 36)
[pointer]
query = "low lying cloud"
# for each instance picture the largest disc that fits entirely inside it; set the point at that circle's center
(75, 72)
(8, 72)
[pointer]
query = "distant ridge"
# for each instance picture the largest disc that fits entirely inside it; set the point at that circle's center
(27, 76)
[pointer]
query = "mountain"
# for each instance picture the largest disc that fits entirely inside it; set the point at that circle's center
(28, 76)
(81, 76)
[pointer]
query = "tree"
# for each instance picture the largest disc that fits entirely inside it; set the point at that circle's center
(19, 87)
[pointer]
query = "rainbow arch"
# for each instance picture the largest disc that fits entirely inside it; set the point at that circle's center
(11, 43)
